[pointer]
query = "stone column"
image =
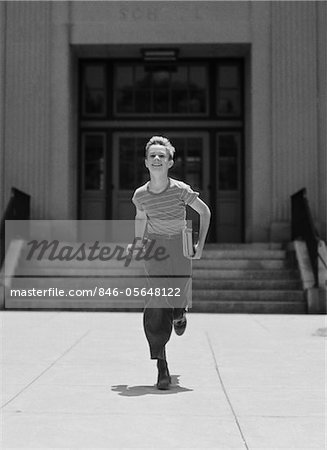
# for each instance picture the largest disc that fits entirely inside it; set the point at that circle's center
(294, 109)
(63, 158)
(3, 198)
(258, 128)
(27, 102)
(322, 114)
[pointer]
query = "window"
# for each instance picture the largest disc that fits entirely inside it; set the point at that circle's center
(188, 161)
(229, 161)
(181, 92)
(94, 91)
(228, 90)
(132, 171)
(128, 90)
(94, 161)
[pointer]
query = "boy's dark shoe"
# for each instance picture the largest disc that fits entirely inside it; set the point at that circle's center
(164, 379)
(180, 325)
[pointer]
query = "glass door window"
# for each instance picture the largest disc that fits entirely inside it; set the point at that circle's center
(188, 161)
(93, 179)
(93, 151)
(132, 171)
(229, 162)
(94, 104)
(229, 186)
(229, 90)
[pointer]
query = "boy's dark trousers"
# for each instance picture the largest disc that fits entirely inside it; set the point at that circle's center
(170, 275)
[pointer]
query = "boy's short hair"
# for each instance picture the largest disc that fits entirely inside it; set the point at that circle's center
(160, 140)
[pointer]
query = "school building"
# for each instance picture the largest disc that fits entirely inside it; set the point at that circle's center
(238, 87)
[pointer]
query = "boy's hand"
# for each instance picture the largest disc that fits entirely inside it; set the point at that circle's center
(135, 249)
(197, 251)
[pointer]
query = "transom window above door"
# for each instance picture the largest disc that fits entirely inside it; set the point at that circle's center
(183, 91)
(193, 90)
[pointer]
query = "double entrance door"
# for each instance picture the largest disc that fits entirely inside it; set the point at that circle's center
(210, 162)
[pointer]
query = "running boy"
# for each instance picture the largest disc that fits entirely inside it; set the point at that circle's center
(160, 218)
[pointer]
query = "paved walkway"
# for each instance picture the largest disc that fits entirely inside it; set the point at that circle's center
(84, 380)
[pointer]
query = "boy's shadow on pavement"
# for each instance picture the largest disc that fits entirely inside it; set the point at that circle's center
(136, 391)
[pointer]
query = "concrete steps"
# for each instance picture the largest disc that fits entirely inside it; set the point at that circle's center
(251, 278)
(255, 284)
(199, 285)
(250, 307)
(240, 278)
(262, 274)
(241, 295)
(219, 262)
(248, 254)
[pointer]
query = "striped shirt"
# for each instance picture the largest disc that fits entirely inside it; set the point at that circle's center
(165, 211)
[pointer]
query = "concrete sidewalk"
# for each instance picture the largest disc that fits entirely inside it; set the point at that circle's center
(85, 380)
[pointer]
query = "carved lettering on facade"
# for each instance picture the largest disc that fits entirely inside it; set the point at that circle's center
(139, 13)
(158, 13)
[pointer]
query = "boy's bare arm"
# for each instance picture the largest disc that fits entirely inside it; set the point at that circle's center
(140, 224)
(204, 212)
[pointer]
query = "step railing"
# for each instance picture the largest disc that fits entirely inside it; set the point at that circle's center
(18, 208)
(322, 265)
(303, 227)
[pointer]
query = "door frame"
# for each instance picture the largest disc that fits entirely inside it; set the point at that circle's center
(211, 124)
